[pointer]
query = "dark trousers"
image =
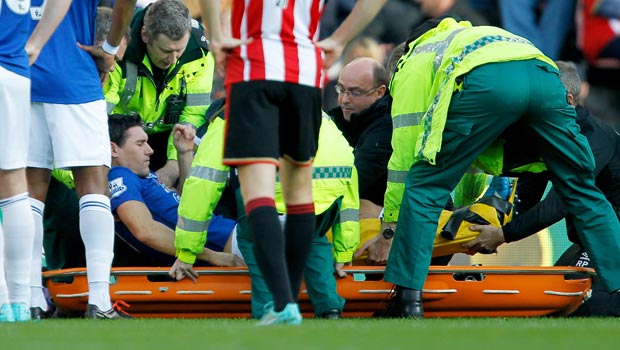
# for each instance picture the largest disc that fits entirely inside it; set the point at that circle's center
(601, 303)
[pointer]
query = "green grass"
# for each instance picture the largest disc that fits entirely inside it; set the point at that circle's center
(358, 334)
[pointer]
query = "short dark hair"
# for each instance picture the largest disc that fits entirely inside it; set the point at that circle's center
(379, 74)
(118, 124)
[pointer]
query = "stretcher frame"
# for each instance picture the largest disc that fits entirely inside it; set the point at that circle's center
(451, 291)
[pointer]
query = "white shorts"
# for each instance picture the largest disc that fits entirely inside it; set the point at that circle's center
(14, 119)
(67, 136)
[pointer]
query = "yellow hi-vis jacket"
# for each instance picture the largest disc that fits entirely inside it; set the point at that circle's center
(131, 88)
(422, 88)
(201, 193)
(334, 179)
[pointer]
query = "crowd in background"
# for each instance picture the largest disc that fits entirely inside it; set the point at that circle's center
(567, 30)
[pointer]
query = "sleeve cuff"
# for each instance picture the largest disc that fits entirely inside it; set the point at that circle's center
(509, 234)
(390, 215)
(343, 257)
(187, 257)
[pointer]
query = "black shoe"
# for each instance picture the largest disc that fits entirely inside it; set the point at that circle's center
(331, 314)
(37, 314)
(58, 313)
(405, 303)
(92, 311)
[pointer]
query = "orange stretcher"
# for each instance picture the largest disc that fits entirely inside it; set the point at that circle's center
(452, 291)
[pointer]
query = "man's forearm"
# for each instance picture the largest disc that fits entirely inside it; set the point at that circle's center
(185, 165)
(123, 10)
(210, 13)
(363, 12)
(541, 216)
(159, 237)
(53, 14)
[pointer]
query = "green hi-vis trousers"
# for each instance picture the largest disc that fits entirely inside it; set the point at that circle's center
(495, 96)
(318, 274)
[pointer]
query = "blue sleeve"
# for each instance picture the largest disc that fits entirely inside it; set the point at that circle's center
(124, 186)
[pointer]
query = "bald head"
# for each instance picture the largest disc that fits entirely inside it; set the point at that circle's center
(366, 66)
(360, 84)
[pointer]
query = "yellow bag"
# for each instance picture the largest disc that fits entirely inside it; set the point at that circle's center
(368, 230)
(487, 210)
(453, 227)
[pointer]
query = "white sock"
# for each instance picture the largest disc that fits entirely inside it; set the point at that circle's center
(4, 292)
(18, 228)
(37, 298)
(97, 231)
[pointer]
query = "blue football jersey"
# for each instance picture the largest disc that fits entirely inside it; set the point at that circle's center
(14, 32)
(64, 73)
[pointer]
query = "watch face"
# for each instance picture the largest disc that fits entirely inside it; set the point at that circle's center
(388, 233)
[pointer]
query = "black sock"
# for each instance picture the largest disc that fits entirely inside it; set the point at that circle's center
(300, 224)
(268, 245)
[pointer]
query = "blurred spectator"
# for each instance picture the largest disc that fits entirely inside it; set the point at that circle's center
(487, 8)
(599, 41)
(545, 23)
(459, 9)
(393, 24)
(334, 13)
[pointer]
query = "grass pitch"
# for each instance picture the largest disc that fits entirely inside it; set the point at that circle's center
(358, 334)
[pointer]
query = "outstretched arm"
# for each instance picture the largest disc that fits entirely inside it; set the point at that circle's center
(138, 219)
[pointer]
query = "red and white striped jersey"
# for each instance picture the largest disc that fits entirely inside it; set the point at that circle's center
(282, 49)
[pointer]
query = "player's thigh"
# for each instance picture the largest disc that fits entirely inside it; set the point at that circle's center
(300, 121)
(253, 117)
(79, 134)
(14, 119)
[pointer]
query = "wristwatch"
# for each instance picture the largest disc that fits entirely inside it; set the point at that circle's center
(388, 233)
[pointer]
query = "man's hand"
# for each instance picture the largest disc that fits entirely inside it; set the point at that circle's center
(222, 48)
(105, 62)
(489, 239)
(183, 138)
(33, 53)
(338, 269)
(332, 51)
(378, 249)
(180, 270)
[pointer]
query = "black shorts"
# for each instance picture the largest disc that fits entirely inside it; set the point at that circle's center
(267, 120)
